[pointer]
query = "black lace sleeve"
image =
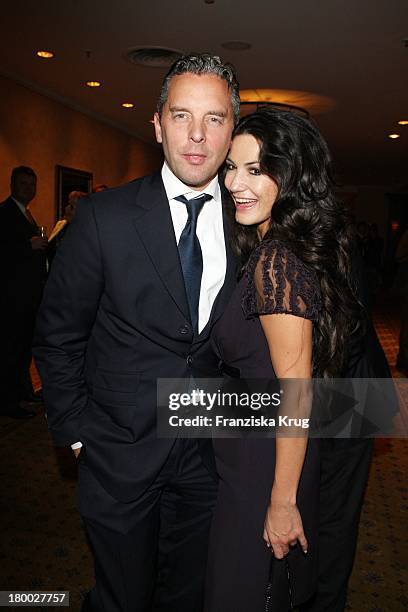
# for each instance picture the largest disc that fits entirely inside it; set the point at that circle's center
(279, 283)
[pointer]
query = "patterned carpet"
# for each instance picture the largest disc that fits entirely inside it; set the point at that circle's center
(43, 546)
(380, 577)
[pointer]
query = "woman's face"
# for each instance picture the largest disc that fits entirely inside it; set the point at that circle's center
(254, 193)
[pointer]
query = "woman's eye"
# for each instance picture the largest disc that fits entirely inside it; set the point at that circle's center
(229, 166)
(255, 171)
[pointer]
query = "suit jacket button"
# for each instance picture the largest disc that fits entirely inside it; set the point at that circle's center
(189, 360)
(184, 329)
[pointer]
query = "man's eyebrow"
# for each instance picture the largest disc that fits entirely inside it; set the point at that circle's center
(217, 113)
(178, 109)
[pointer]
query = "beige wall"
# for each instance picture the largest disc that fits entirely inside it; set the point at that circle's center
(39, 132)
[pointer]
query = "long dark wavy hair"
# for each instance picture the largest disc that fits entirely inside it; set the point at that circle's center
(313, 225)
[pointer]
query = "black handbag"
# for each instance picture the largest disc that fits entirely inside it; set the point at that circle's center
(269, 604)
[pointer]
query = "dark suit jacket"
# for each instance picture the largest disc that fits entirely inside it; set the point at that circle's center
(114, 318)
(22, 269)
(367, 360)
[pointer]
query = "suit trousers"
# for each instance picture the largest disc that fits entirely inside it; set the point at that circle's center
(16, 331)
(345, 466)
(150, 554)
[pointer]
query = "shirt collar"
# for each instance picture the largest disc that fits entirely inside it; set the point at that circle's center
(20, 205)
(174, 187)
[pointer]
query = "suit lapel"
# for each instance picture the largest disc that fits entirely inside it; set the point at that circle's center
(20, 220)
(154, 225)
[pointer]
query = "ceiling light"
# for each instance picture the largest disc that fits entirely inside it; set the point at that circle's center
(307, 102)
(45, 54)
(153, 57)
(393, 136)
(93, 83)
(403, 122)
(127, 104)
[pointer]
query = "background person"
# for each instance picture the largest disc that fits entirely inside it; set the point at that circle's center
(70, 208)
(100, 187)
(23, 273)
(62, 225)
(401, 290)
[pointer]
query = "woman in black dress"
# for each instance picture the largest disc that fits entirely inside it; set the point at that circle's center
(291, 316)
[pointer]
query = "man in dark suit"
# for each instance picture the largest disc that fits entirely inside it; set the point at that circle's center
(22, 273)
(143, 273)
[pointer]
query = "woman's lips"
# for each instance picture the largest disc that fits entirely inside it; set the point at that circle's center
(244, 203)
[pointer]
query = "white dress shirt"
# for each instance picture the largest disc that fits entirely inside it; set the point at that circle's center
(21, 207)
(210, 232)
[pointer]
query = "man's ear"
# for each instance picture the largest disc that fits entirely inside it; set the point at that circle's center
(157, 127)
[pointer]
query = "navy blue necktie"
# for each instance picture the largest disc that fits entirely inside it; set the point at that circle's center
(190, 255)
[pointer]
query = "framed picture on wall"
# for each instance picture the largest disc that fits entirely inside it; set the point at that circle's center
(67, 180)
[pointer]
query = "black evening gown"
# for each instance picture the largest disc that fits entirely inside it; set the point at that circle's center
(239, 563)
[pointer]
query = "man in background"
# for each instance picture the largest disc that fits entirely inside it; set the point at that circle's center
(401, 290)
(22, 272)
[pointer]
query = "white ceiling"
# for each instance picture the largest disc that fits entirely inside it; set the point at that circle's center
(349, 50)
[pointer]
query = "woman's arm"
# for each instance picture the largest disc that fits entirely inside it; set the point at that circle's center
(290, 344)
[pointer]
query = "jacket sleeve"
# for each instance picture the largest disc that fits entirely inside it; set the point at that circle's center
(13, 244)
(65, 322)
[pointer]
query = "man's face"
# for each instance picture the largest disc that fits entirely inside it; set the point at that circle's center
(195, 127)
(23, 188)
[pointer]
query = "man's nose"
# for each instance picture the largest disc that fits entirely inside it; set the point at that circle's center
(197, 131)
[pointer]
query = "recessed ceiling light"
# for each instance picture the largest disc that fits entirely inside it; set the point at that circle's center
(127, 104)
(403, 122)
(393, 136)
(93, 83)
(153, 57)
(45, 54)
(236, 45)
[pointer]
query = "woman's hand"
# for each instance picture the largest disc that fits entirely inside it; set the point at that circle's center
(283, 527)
